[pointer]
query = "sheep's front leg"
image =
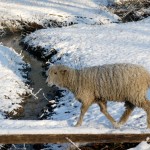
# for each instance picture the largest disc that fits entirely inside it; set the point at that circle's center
(129, 108)
(103, 108)
(84, 109)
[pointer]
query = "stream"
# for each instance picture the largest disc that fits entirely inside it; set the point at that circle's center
(32, 106)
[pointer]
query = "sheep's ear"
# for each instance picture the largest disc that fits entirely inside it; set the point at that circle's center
(63, 72)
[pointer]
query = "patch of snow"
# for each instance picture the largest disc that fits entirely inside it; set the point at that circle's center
(142, 146)
(12, 83)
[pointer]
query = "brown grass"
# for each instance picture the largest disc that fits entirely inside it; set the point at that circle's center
(131, 10)
(19, 26)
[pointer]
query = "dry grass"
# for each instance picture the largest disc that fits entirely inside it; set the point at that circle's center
(18, 26)
(134, 2)
(26, 27)
(131, 10)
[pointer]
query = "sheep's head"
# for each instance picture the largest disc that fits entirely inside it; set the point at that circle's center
(57, 75)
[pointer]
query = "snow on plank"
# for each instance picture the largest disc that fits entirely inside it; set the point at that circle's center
(47, 131)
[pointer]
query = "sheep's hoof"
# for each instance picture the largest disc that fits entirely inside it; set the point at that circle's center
(77, 125)
(117, 125)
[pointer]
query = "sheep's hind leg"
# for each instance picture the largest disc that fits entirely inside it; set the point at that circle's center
(84, 109)
(129, 109)
(145, 104)
(103, 108)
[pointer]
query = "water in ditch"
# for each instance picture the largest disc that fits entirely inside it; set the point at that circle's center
(33, 106)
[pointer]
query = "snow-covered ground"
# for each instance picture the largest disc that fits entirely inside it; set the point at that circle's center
(96, 45)
(45, 12)
(12, 84)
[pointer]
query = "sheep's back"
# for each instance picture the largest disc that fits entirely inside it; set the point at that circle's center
(115, 81)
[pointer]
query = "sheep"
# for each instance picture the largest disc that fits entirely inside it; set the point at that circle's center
(122, 82)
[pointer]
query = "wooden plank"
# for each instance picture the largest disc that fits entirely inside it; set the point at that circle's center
(61, 138)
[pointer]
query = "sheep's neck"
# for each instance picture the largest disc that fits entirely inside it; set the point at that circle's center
(72, 82)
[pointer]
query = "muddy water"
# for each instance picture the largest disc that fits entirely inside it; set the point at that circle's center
(32, 107)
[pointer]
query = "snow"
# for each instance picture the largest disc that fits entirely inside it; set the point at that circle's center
(85, 45)
(11, 81)
(57, 127)
(142, 146)
(107, 43)
(65, 11)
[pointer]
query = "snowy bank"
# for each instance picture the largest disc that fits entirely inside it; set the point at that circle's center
(83, 45)
(17, 14)
(95, 45)
(12, 83)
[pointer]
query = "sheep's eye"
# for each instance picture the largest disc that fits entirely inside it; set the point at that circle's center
(55, 72)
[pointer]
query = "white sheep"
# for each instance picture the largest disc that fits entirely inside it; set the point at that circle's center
(115, 82)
